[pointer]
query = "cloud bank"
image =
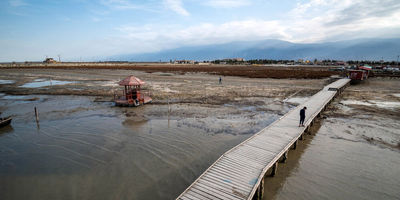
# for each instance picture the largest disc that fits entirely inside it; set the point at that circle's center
(314, 21)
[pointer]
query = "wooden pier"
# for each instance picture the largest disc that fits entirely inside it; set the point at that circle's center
(239, 173)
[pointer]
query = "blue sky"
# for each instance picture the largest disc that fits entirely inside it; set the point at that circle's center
(94, 29)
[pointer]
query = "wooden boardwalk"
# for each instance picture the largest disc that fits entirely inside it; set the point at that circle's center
(239, 173)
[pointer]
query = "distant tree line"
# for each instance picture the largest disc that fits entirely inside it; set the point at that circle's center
(300, 61)
(358, 62)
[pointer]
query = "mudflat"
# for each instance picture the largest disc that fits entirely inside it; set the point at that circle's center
(87, 145)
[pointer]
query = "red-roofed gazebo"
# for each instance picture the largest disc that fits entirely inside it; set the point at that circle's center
(132, 81)
(132, 94)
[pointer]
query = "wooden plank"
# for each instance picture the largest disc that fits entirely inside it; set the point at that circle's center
(270, 140)
(191, 196)
(224, 192)
(268, 147)
(241, 185)
(186, 197)
(249, 150)
(248, 165)
(252, 158)
(243, 190)
(261, 159)
(227, 175)
(241, 181)
(229, 162)
(244, 160)
(235, 168)
(204, 194)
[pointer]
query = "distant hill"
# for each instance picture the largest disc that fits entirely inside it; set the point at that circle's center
(360, 49)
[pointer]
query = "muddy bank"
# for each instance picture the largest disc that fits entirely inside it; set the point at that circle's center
(86, 145)
(224, 70)
(200, 88)
(354, 152)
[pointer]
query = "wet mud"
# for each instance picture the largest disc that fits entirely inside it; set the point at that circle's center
(354, 152)
(86, 148)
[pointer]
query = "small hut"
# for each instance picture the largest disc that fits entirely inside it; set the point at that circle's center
(132, 95)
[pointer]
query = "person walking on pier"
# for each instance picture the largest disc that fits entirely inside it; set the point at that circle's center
(220, 80)
(302, 116)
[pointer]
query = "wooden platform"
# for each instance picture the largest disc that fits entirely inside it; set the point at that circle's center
(239, 173)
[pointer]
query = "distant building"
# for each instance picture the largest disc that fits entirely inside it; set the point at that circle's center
(204, 63)
(340, 63)
(233, 59)
(49, 60)
(184, 62)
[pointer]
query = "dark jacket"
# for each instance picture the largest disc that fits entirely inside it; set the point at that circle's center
(302, 113)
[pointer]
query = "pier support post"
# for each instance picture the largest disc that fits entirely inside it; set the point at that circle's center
(285, 156)
(260, 191)
(169, 107)
(37, 117)
(302, 136)
(295, 144)
(274, 169)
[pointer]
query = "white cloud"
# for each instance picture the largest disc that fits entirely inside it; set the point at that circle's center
(319, 20)
(158, 37)
(314, 21)
(227, 3)
(125, 5)
(17, 3)
(176, 6)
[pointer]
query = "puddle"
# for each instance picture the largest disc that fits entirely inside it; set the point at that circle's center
(379, 104)
(17, 98)
(7, 81)
(12, 97)
(386, 104)
(109, 84)
(296, 100)
(396, 95)
(42, 83)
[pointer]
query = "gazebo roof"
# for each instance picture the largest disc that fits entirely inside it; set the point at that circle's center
(131, 80)
(366, 67)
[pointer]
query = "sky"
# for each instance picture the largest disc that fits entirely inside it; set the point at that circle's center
(81, 30)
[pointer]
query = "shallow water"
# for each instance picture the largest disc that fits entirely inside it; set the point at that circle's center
(42, 83)
(7, 81)
(86, 150)
(379, 104)
(297, 100)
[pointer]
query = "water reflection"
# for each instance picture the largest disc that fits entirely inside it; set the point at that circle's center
(86, 150)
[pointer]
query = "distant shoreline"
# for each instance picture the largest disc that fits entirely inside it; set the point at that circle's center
(251, 71)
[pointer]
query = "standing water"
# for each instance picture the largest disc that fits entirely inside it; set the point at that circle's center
(87, 150)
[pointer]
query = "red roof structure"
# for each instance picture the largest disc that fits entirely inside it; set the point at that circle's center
(366, 67)
(131, 80)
